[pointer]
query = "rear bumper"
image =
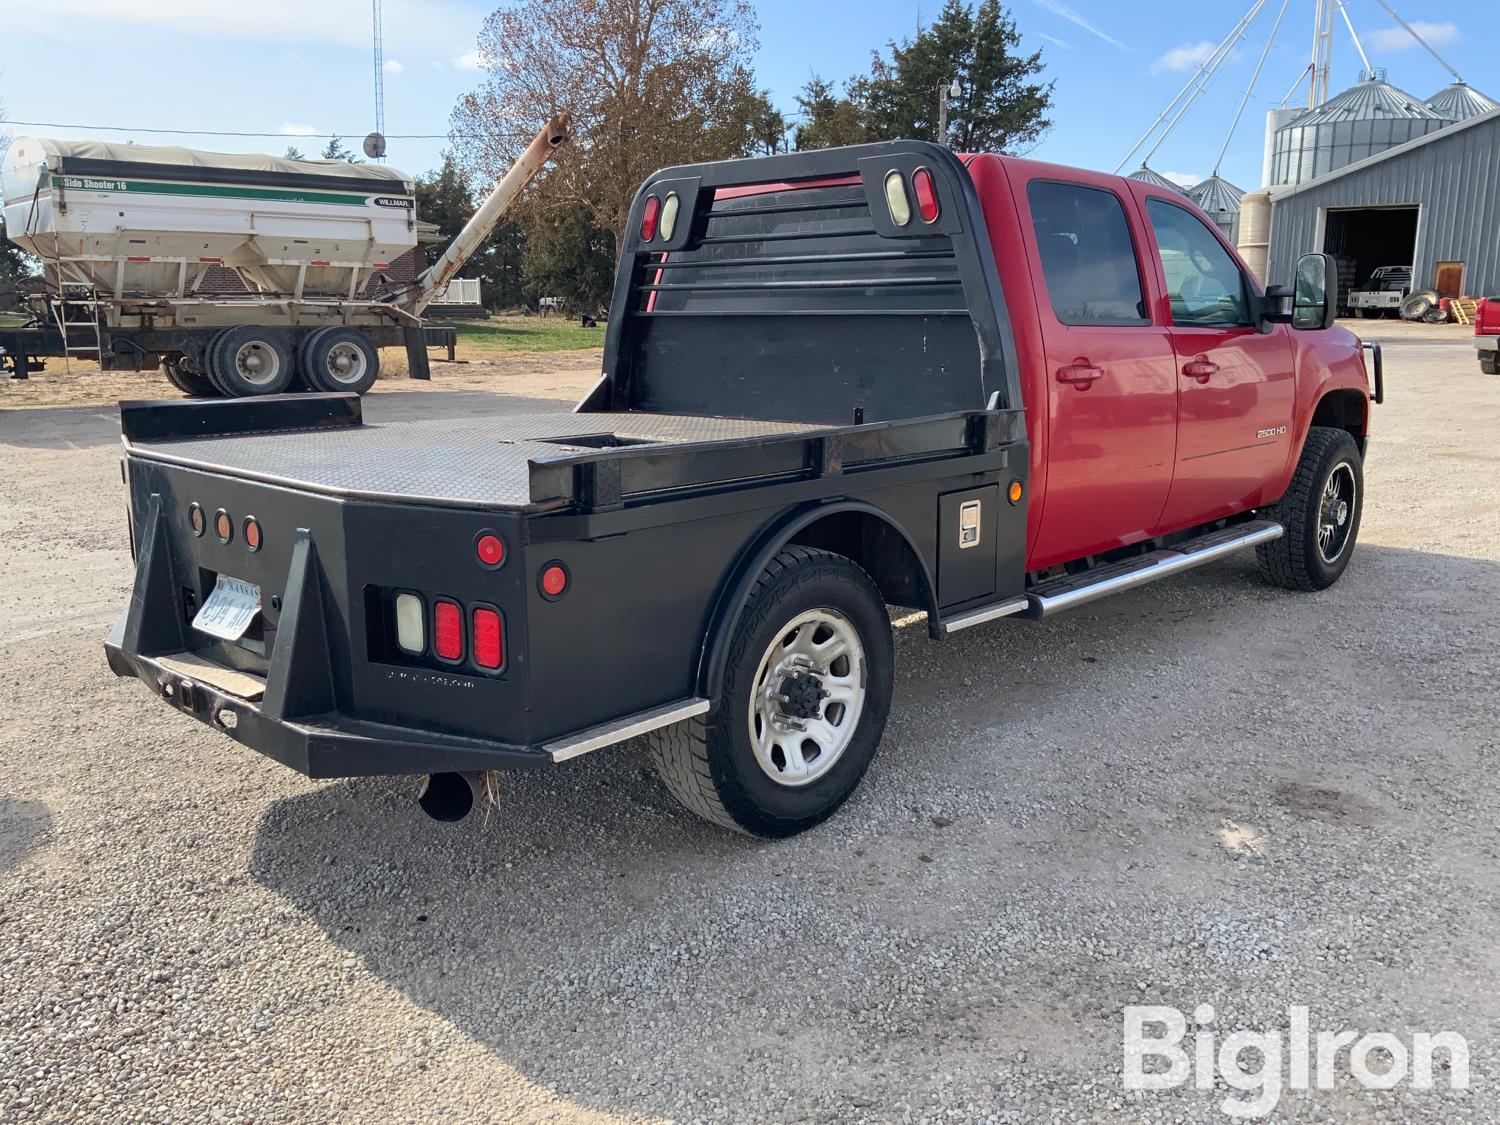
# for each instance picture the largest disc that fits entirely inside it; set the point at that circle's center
(321, 746)
(1487, 343)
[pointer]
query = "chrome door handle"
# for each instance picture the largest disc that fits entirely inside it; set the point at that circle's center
(1080, 374)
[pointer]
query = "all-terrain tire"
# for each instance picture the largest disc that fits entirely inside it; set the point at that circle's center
(709, 763)
(1489, 363)
(1303, 559)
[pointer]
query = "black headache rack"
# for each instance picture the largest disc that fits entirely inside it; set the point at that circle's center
(786, 289)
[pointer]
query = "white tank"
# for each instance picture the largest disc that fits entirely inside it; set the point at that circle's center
(1255, 231)
(142, 220)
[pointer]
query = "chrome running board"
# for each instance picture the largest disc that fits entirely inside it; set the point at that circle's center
(607, 734)
(1074, 590)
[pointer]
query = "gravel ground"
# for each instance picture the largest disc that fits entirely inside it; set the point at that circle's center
(1205, 791)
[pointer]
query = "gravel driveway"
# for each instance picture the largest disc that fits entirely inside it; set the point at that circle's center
(1206, 791)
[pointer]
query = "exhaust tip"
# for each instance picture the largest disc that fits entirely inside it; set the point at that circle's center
(447, 796)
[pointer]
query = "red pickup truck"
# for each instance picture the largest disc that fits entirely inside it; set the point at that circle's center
(1487, 334)
(981, 387)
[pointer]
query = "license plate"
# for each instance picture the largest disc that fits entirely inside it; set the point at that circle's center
(229, 610)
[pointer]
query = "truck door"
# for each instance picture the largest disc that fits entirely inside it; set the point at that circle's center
(1110, 373)
(1235, 383)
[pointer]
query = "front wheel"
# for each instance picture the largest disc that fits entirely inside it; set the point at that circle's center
(1320, 511)
(805, 696)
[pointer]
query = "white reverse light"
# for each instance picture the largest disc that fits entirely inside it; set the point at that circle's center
(410, 633)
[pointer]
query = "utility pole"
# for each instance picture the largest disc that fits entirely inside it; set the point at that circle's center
(945, 91)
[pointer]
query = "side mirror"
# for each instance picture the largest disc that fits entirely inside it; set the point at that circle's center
(1315, 293)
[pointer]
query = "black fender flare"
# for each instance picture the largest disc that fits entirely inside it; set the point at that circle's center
(734, 590)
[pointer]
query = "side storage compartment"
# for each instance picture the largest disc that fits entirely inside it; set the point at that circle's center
(968, 534)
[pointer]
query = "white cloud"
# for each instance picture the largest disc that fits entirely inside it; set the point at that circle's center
(1055, 41)
(469, 60)
(394, 66)
(1185, 57)
(1183, 179)
(296, 129)
(1062, 11)
(1399, 39)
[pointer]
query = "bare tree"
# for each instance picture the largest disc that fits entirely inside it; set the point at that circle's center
(649, 83)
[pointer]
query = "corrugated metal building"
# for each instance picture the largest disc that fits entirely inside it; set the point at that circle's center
(1433, 202)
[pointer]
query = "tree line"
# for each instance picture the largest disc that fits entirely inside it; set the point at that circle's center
(652, 83)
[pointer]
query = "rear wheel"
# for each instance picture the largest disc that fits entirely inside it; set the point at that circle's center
(1320, 511)
(806, 692)
(339, 359)
(194, 386)
(250, 360)
(1489, 363)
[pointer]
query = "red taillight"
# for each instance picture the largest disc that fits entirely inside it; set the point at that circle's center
(926, 193)
(554, 580)
(490, 549)
(489, 639)
(447, 631)
(223, 526)
(648, 218)
(196, 519)
(252, 533)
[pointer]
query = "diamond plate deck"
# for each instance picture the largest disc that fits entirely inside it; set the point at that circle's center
(471, 462)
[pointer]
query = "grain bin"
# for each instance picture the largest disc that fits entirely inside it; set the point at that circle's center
(1365, 119)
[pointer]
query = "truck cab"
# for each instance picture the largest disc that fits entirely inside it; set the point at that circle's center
(981, 388)
(1160, 395)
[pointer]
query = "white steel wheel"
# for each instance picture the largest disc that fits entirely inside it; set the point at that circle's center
(808, 697)
(250, 360)
(803, 701)
(256, 363)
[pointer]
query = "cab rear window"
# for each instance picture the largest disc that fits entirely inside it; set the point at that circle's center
(1088, 255)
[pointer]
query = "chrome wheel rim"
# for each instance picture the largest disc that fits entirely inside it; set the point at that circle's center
(345, 363)
(257, 363)
(1336, 512)
(808, 695)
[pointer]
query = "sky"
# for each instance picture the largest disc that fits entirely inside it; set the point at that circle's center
(294, 68)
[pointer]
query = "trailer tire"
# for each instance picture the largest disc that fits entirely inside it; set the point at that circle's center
(194, 386)
(719, 767)
(340, 359)
(250, 360)
(1320, 512)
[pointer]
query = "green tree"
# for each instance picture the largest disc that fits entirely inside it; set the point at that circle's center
(828, 120)
(1000, 107)
(335, 149)
(765, 126)
(569, 256)
(294, 153)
